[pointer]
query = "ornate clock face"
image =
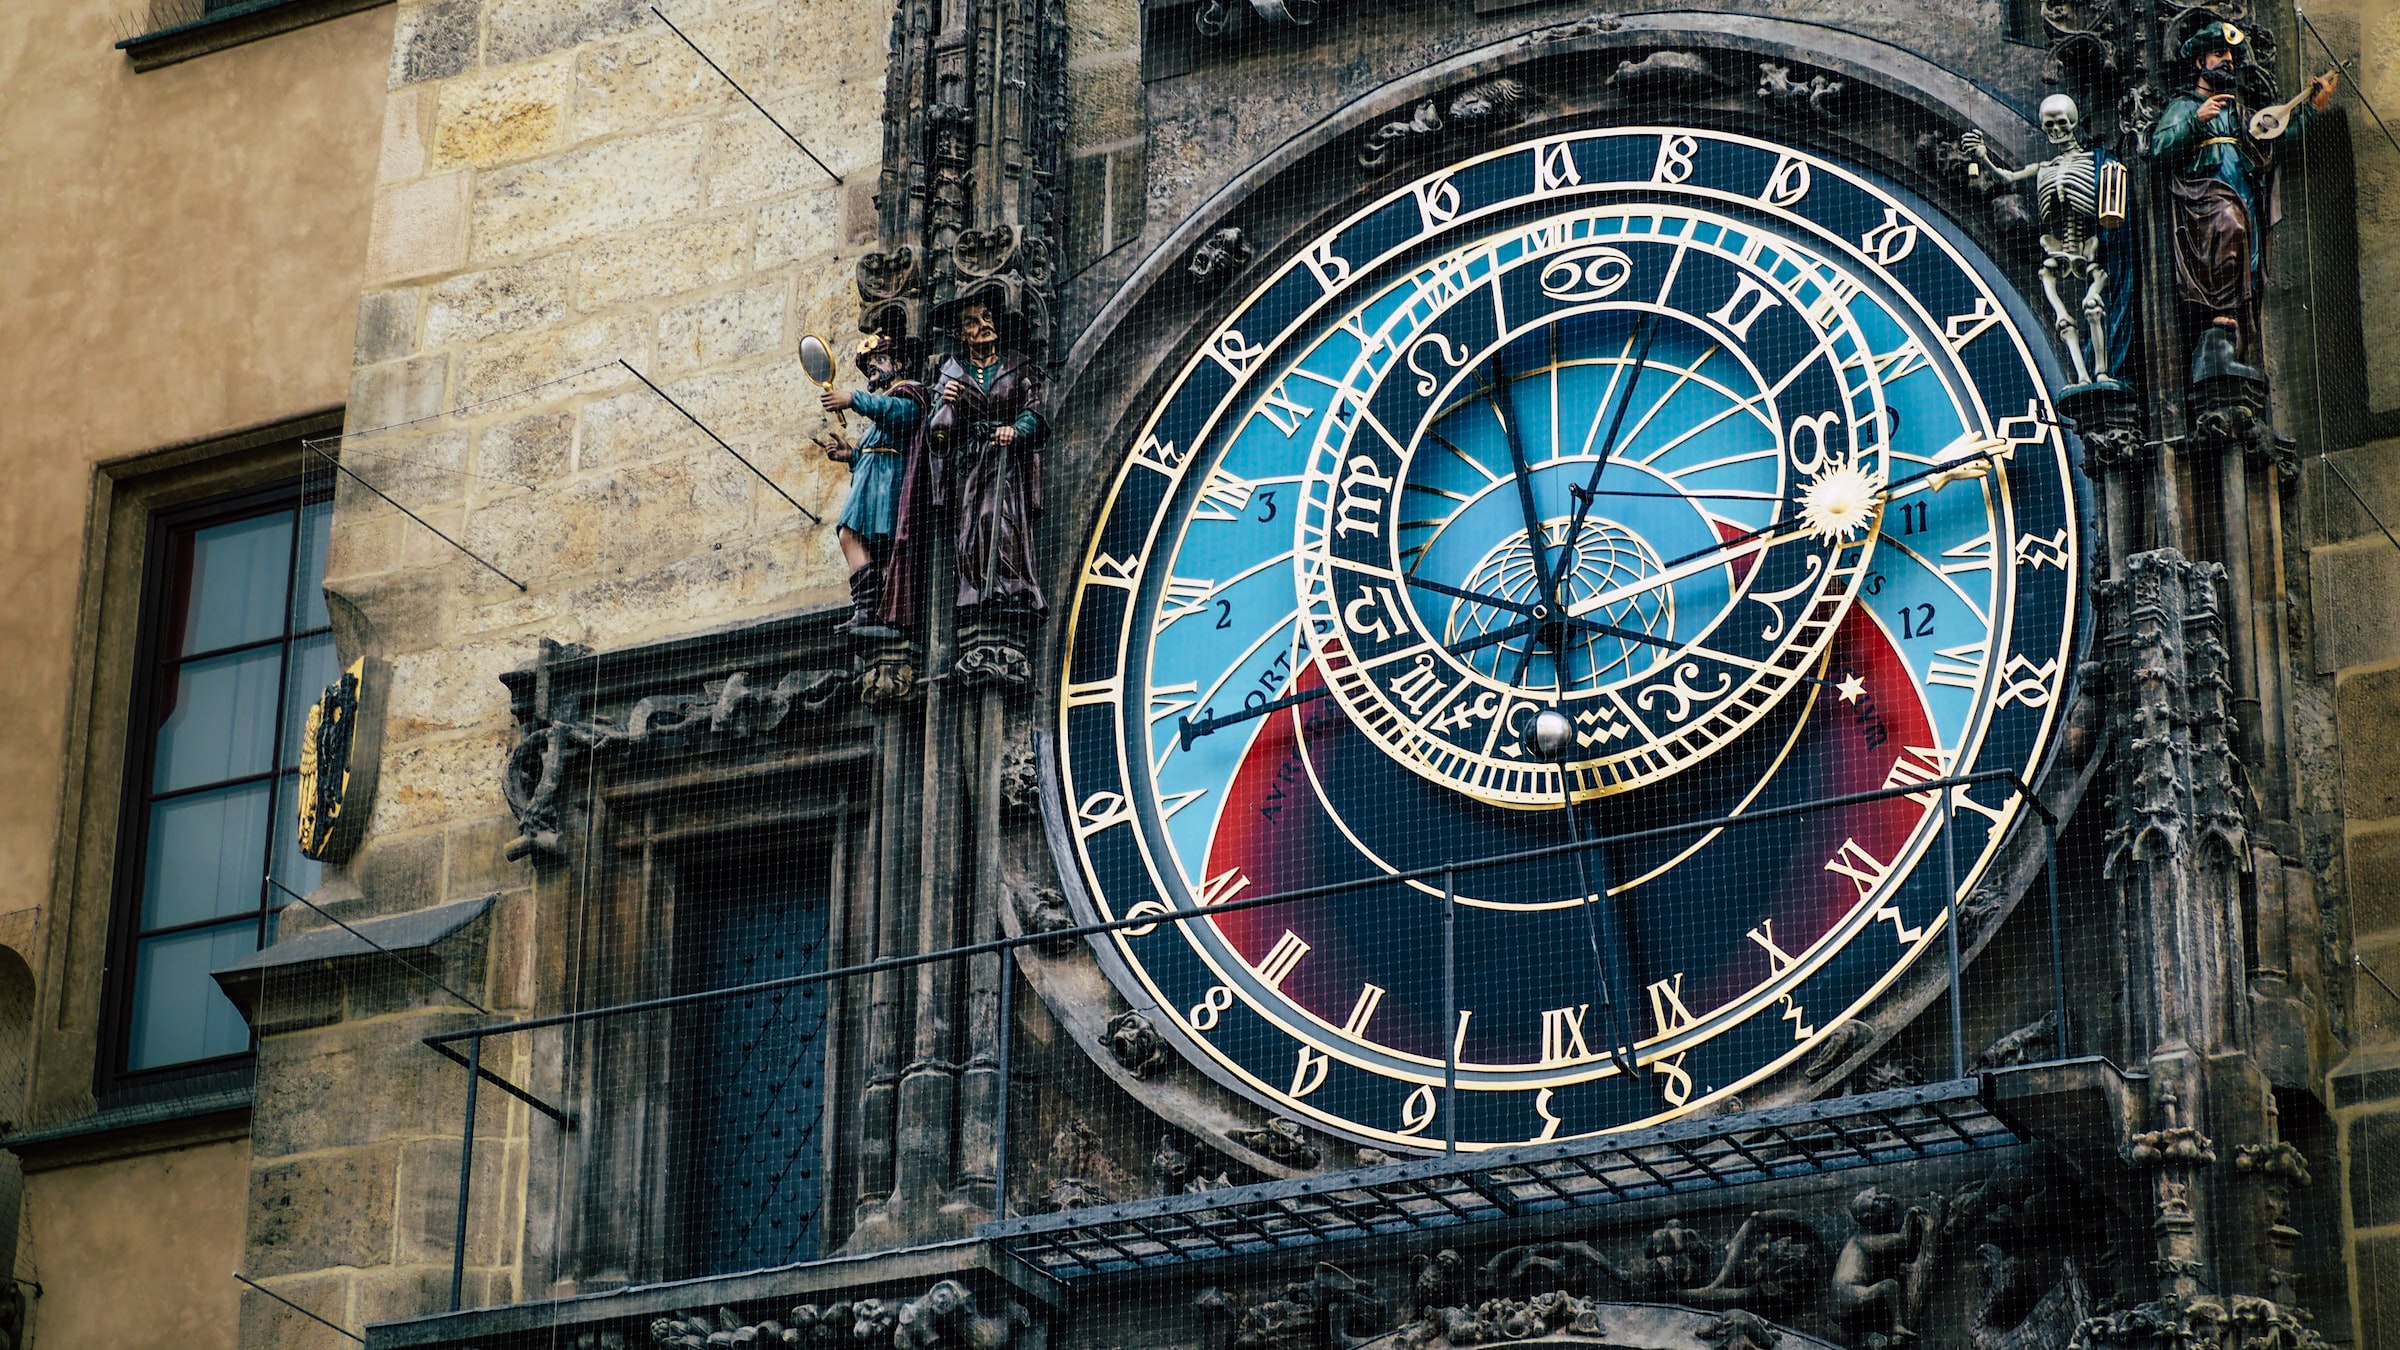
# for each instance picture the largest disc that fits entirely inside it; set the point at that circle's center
(1723, 452)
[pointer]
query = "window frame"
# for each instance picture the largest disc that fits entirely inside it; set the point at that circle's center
(113, 1078)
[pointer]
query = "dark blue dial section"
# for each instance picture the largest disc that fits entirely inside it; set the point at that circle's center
(1734, 455)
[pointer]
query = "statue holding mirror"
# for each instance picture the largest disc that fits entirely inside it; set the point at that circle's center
(979, 454)
(894, 407)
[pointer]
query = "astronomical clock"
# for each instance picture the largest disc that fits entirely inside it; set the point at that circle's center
(1560, 582)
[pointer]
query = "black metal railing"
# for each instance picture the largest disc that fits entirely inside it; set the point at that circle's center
(1724, 1150)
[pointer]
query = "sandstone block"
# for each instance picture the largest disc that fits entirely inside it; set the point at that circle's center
(420, 471)
(395, 391)
(269, 1325)
(449, 689)
(520, 30)
(417, 230)
(429, 1198)
(663, 262)
(1104, 26)
(516, 955)
(387, 326)
(631, 427)
(2373, 854)
(505, 114)
(429, 782)
(720, 329)
(755, 406)
(398, 873)
(805, 227)
(2356, 587)
(651, 76)
(2367, 720)
(323, 1210)
(524, 452)
(794, 569)
(537, 537)
(476, 305)
(405, 114)
(400, 611)
(2374, 470)
(843, 40)
(588, 192)
(674, 508)
(434, 40)
(354, 1084)
(362, 547)
(478, 862)
(1106, 98)
(843, 121)
(565, 361)
(392, 1295)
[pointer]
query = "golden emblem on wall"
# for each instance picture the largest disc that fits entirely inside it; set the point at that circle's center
(337, 762)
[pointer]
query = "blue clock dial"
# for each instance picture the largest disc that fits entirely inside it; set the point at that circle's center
(1729, 454)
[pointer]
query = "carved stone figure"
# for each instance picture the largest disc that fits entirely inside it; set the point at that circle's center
(1677, 1257)
(944, 1317)
(980, 455)
(1738, 1330)
(1778, 90)
(1492, 103)
(1136, 1044)
(1219, 258)
(1775, 1260)
(1328, 1311)
(2037, 1040)
(1866, 1294)
(1281, 1139)
(1666, 75)
(2224, 195)
(1555, 1267)
(893, 407)
(2082, 194)
(1041, 909)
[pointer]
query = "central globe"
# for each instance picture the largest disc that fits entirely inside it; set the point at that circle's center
(1606, 556)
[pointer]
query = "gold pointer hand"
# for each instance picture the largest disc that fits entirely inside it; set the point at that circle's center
(1715, 557)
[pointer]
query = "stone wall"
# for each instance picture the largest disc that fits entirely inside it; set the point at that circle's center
(2354, 575)
(564, 184)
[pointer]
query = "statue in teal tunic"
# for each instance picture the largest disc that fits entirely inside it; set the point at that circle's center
(2220, 156)
(870, 515)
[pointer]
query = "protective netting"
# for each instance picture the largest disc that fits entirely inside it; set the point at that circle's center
(1690, 695)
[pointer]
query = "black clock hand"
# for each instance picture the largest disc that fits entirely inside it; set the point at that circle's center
(1612, 1013)
(1499, 391)
(1190, 729)
(1608, 447)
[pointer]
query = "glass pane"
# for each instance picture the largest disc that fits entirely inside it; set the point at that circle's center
(314, 666)
(292, 867)
(308, 592)
(206, 851)
(221, 722)
(234, 580)
(179, 1014)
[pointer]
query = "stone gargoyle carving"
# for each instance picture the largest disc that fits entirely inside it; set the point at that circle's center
(944, 1317)
(1330, 1310)
(1281, 1139)
(1134, 1042)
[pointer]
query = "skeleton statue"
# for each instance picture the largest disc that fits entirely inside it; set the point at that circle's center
(2082, 194)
